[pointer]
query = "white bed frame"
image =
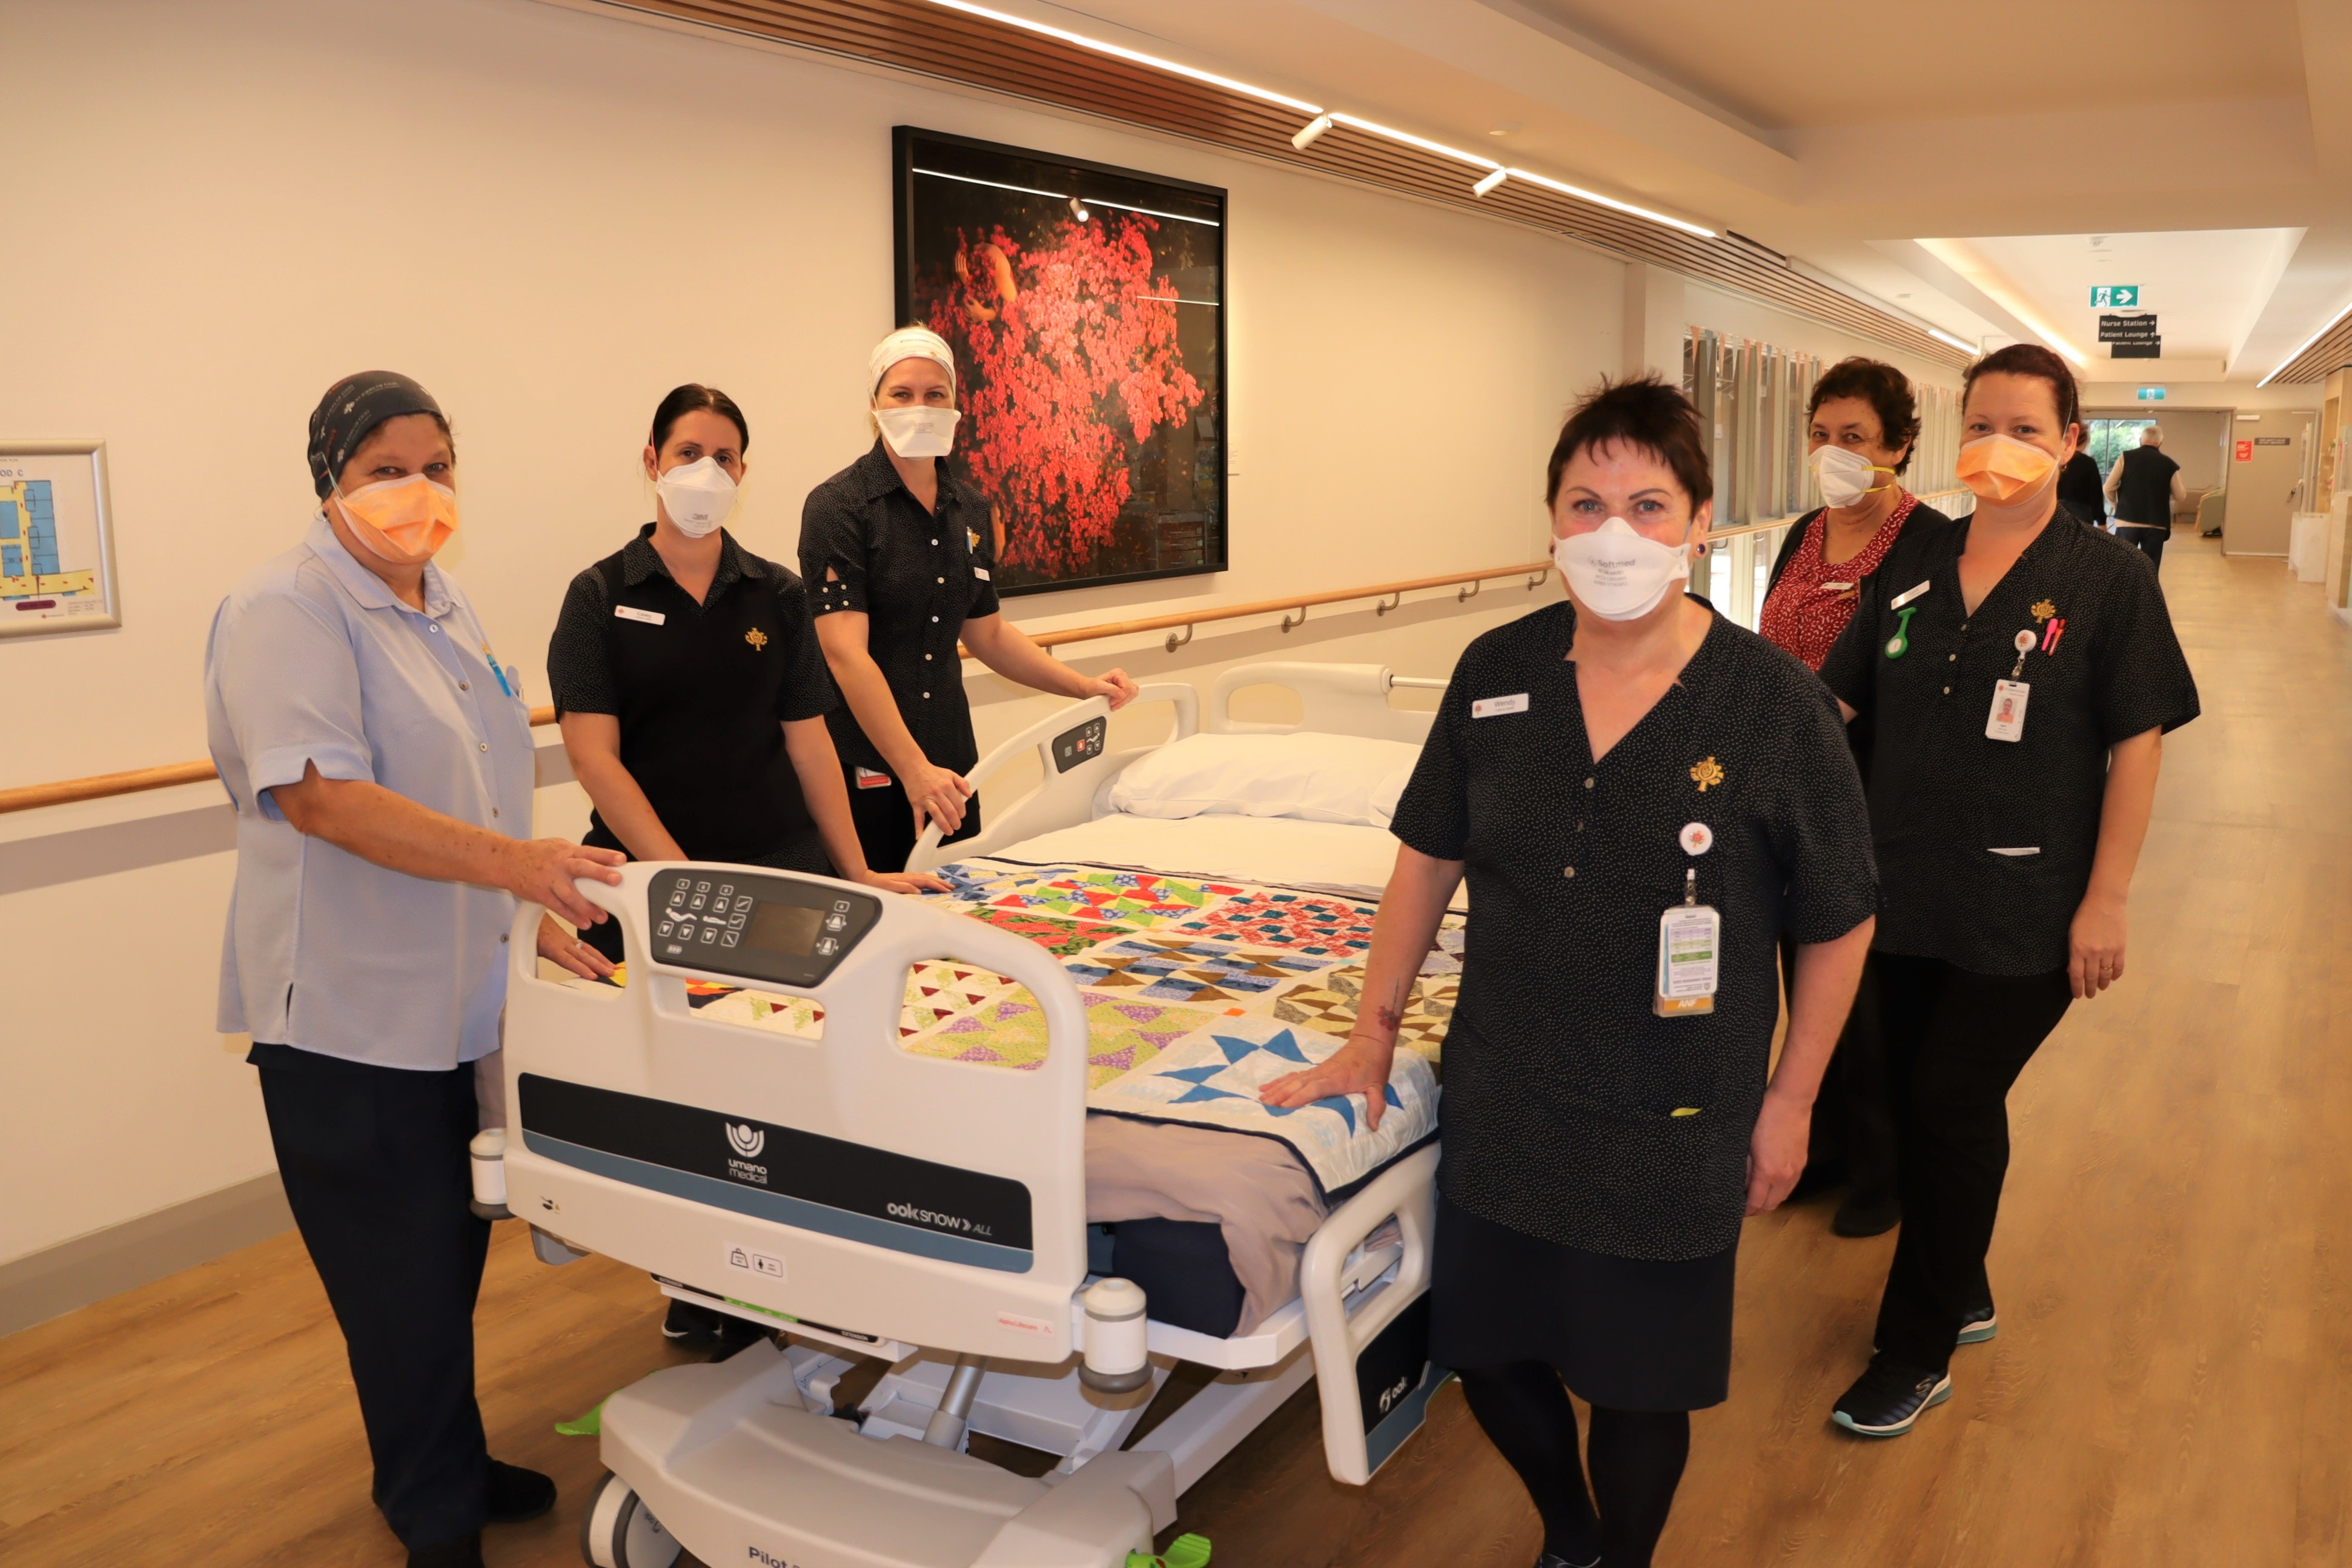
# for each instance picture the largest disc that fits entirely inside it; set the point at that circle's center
(741, 1462)
(1334, 699)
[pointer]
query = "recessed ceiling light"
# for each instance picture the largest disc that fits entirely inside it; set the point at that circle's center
(1505, 129)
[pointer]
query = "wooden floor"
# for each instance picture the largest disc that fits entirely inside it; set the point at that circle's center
(2174, 1268)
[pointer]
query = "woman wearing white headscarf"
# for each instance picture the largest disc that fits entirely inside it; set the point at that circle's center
(897, 552)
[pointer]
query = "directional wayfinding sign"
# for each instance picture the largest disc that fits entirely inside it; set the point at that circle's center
(2115, 296)
(2136, 328)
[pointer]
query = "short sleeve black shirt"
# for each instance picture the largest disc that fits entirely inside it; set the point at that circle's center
(1985, 846)
(867, 545)
(1561, 1084)
(702, 692)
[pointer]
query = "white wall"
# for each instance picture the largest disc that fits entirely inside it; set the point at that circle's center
(550, 217)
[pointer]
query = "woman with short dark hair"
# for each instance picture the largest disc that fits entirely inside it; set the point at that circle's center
(2021, 671)
(688, 682)
(1643, 798)
(1862, 429)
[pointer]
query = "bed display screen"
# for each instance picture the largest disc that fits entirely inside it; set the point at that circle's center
(787, 928)
(757, 926)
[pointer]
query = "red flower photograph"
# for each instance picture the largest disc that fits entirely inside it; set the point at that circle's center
(1085, 307)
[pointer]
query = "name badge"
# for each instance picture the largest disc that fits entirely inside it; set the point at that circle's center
(1908, 594)
(1489, 707)
(1690, 942)
(2007, 719)
(980, 572)
(631, 612)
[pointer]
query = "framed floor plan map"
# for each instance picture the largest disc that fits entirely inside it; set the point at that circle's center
(56, 539)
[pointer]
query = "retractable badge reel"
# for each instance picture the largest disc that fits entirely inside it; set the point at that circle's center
(1690, 942)
(2006, 721)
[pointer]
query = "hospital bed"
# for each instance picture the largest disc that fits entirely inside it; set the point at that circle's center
(875, 1202)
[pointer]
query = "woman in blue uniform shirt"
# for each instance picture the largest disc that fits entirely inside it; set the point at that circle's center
(379, 758)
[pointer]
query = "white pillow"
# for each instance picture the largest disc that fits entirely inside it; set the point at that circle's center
(1318, 777)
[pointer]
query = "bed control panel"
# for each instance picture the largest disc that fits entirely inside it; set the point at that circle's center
(790, 930)
(1080, 743)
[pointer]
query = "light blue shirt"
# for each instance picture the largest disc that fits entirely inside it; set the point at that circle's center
(313, 660)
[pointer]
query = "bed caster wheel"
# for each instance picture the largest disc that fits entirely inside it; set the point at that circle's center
(618, 1530)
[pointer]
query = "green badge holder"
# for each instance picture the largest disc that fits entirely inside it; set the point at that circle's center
(1900, 644)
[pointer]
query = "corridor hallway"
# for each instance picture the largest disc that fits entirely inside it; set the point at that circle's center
(2173, 1273)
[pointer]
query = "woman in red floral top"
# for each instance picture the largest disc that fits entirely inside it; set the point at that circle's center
(1863, 425)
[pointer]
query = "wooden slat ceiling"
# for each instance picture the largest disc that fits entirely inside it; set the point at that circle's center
(912, 35)
(2328, 353)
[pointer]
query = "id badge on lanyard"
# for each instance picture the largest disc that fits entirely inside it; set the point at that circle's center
(1690, 955)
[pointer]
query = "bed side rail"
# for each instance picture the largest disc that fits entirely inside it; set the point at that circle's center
(1074, 756)
(1371, 1366)
(1335, 699)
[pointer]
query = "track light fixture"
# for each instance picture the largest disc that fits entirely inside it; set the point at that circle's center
(1490, 182)
(1309, 131)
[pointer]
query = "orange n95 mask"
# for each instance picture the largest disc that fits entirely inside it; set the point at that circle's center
(403, 521)
(2004, 470)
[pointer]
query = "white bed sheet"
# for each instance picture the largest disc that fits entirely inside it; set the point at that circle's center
(1281, 852)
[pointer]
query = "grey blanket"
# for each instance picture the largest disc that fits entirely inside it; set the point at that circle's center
(1252, 1189)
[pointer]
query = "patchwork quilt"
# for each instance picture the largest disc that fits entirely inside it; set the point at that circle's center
(1210, 1078)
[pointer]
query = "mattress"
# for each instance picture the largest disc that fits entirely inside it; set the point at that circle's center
(1274, 852)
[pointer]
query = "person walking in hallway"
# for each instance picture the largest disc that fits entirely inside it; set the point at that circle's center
(2145, 487)
(2022, 670)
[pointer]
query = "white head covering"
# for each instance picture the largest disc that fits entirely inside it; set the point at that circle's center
(909, 343)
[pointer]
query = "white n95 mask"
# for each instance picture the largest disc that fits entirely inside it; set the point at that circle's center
(698, 496)
(1845, 477)
(1618, 574)
(918, 431)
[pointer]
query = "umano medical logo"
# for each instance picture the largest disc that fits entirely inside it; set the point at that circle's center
(747, 1140)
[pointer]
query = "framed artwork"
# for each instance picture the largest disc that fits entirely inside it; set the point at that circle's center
(56, 539)
(1087, 308)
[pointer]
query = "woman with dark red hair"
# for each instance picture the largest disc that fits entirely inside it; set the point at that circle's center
(1862, 427)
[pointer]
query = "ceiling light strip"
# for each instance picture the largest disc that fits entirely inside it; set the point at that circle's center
(1134, 56)
(2337, 320)
(1583, 195)
(1410, 139)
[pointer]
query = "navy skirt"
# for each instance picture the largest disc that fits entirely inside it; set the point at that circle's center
(1623, 1333)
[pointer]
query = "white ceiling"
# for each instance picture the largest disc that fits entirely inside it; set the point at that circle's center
(2209, 140)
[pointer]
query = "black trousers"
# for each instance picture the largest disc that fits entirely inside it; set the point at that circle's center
(1853, 1115)
(1956, 1041)
(885, 823)
(2150, 541)
(376, 1167)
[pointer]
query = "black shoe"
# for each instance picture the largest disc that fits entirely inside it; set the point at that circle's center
(466, 1552)
(1886, 1400)
(685, 1321)
(1978, 1326)
(1864, 1213)
(514, 1494)
(1554, 1560)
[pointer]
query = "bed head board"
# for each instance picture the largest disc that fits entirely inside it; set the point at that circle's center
(1337, 700)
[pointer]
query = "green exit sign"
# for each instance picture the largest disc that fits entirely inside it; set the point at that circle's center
(2115, 296)
(2151, 394)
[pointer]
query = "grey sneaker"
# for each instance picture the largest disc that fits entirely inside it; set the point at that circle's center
(1886, 1399)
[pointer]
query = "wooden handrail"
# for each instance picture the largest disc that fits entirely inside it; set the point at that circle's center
(99, 787)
